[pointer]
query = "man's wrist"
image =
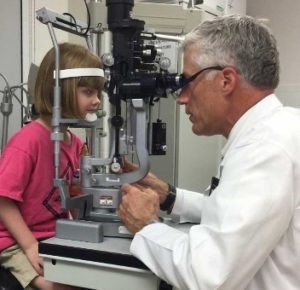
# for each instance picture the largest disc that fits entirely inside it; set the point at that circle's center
(168, 203)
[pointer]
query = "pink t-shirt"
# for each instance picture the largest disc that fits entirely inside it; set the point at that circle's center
(26, 176)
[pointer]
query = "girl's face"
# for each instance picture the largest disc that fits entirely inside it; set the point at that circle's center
(88, 101)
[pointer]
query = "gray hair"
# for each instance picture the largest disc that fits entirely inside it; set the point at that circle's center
(239, 41)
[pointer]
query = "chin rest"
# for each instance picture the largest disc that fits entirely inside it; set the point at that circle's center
(8, 281)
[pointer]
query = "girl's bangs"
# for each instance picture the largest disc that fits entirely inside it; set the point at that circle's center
(91, 82)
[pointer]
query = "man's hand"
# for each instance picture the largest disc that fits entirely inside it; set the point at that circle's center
(149, 181)
(138, 207)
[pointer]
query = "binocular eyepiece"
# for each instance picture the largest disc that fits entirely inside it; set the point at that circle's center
(151, 85)
(135, 72)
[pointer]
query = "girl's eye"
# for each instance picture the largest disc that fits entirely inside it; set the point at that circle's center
(88, 92)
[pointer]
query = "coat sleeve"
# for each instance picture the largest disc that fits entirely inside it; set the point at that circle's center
(241, 223)
(188, 206)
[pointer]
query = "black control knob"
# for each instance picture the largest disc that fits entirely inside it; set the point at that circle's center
(117, 121)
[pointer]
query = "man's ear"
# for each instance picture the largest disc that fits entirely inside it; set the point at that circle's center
(229, 79)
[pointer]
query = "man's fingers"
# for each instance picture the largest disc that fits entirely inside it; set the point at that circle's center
(121, 212)
(131, 188)
(126, 187)
(150, 191)
(139, 186)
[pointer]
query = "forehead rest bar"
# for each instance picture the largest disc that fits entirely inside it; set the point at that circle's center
(79, 72)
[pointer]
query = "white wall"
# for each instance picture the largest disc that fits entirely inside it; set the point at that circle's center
(36, 38)
(235, 6)
(10, 56)
(18, 50)
(198, 156)
(284, 21)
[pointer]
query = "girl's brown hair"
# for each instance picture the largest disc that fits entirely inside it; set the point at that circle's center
(71, 56)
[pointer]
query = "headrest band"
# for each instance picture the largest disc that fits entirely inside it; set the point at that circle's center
(79, 72)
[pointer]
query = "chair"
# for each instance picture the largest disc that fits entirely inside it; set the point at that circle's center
(8, 280)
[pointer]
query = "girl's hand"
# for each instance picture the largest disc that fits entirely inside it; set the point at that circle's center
(32, 253)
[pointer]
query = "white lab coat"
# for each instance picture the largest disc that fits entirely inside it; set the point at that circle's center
(249, 235)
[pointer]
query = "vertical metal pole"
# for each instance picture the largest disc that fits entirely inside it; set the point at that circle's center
(89, 42)
(105, 141)
(56, 114)
(92, 40)
(6, 109)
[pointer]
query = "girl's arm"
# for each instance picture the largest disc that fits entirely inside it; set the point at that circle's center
(15, 224)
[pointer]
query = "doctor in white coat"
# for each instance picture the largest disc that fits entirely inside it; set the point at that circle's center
(247, 231)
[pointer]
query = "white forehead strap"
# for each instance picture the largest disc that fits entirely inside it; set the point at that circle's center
(79, 72)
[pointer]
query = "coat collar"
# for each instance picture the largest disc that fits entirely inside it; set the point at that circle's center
(256, 113)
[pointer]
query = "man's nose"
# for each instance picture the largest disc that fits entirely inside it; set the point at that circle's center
(182, 98)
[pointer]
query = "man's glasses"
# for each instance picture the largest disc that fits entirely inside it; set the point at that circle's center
(184, 81)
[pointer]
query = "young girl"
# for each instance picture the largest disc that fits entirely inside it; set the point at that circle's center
(29, 203)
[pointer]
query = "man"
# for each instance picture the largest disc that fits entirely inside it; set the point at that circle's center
(247, 234)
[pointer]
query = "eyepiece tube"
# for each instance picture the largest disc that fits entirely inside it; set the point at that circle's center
(118, 10)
